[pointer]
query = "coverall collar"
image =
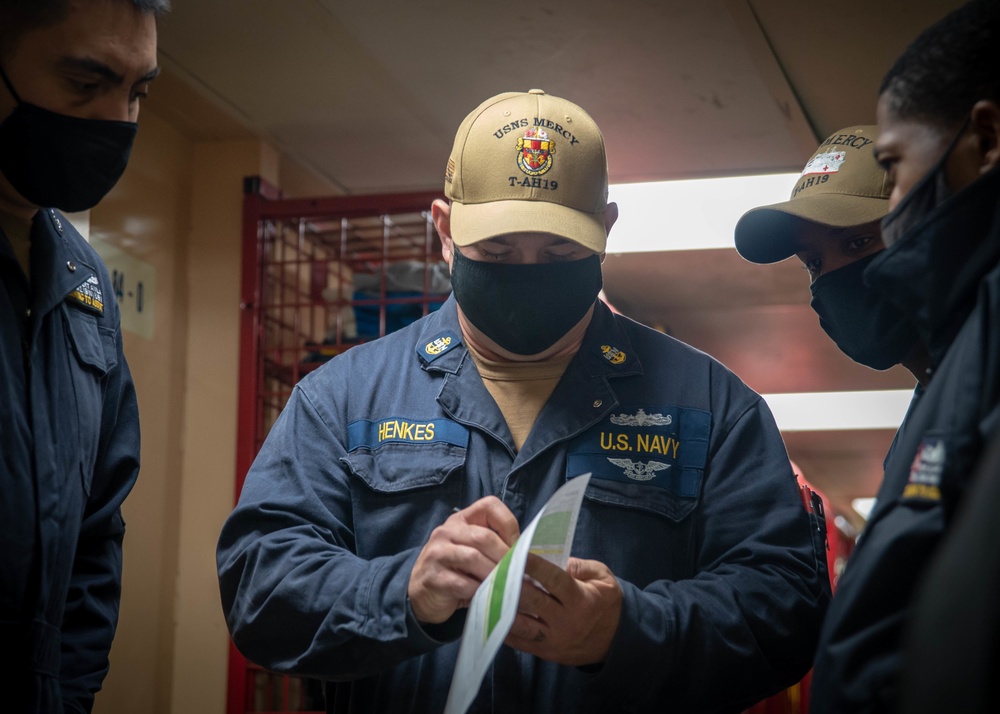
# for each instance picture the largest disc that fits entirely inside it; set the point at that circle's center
(57, 269)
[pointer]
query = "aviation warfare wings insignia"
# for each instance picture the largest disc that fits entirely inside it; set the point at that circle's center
(639, 471)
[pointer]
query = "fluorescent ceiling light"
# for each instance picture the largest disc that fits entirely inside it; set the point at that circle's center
(689, 215)
(830, 411)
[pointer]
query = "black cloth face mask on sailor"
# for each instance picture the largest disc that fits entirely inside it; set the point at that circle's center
(930, 192)
(866, 328)
(525, 308)
(59, 161)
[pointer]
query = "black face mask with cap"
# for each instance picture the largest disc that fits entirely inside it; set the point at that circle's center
(865, 326)
(525, 308)
(930, 192)
(940, 244)
(59, 161)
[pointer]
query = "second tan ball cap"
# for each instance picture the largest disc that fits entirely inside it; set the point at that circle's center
(528, 162)
(841, 186)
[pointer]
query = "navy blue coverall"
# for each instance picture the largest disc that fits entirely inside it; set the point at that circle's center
(70, 435)
(945, 277)
(692, 505)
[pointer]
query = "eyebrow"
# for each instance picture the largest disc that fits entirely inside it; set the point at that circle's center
(85, 64)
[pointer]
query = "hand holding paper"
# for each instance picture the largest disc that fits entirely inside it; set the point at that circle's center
(494, 607)
(458, 556)
(575, 621)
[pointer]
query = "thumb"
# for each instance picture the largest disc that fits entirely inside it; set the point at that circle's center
(583, 570)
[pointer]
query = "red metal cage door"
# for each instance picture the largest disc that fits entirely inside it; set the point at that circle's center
(318, 276)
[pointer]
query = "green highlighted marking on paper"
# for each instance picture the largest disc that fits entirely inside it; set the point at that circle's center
(495, 606)
(493, 609)
(552, 530)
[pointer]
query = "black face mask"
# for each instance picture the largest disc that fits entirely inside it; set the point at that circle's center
(934, 270)
(525, 308)
(865, 327)
(922, 199)
(59, 161)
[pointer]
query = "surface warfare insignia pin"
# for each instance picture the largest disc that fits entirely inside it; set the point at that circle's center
(641, 418)
(534, 152)
(639, 471)
(612, 354)
(926, 470)
(441, 344)
(89, 295)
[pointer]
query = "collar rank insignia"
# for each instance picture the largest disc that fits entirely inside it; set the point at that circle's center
(612, 354)
(441, 344)
(534, 152)
(55, 221)
(88, 294)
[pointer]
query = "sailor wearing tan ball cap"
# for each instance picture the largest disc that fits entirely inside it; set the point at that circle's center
(831, 223)
(402, 471)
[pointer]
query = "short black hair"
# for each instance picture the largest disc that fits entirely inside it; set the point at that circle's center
(20, 16)
(952, 64)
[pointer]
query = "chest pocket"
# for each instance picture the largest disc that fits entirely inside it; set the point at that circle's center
(408, 471)
(649, 458)
(88, 341)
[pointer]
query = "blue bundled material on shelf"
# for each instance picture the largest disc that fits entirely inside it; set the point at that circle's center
(397, 314)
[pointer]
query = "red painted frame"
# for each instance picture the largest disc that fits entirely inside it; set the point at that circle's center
(263, 202)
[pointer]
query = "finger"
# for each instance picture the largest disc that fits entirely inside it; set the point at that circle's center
(479, 538)
(454, 584)
(526, 629)
(535, 602)
(468, 528)
(492, 513)
(584, 570)
(470, 560)
(435, 595)
(550, 576)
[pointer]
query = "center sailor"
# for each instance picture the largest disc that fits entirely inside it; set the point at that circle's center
(698, 580)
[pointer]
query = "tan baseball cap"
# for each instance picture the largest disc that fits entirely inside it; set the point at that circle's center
(528, 162)
(841, 186)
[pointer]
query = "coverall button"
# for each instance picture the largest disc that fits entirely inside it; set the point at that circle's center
(597, 403)
(71, 265)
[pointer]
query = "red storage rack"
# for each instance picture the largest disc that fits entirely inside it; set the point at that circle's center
(300, 260)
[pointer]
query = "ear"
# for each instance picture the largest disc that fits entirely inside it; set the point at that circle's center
(441, 215)
(986, 124)
(610, 216)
